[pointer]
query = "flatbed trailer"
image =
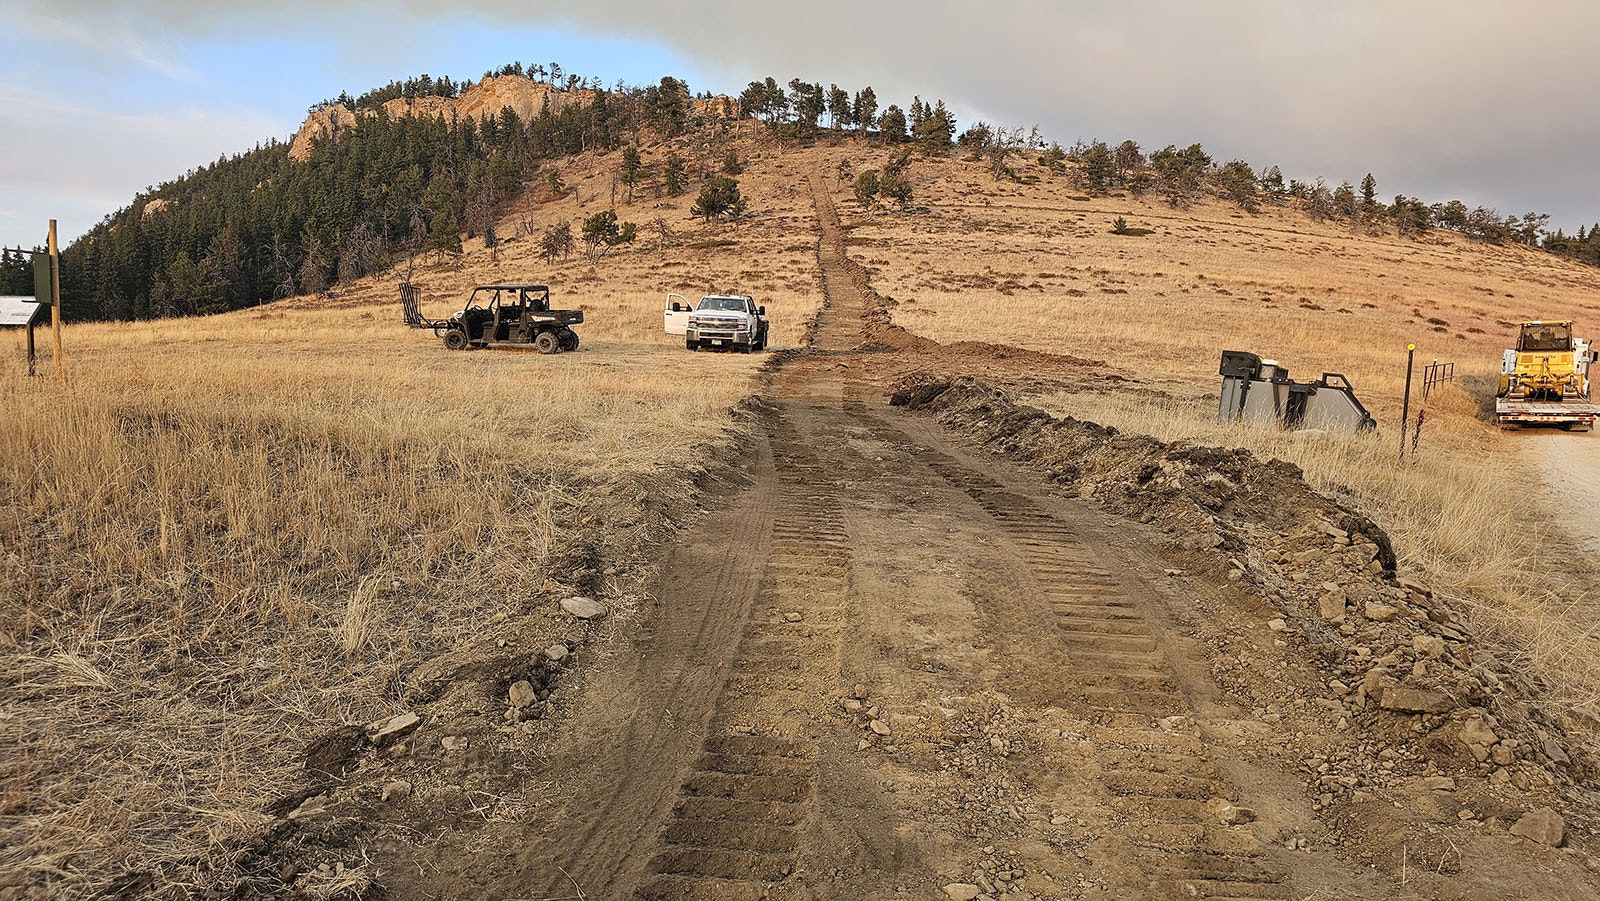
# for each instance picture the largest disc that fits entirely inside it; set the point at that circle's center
(1577, 416)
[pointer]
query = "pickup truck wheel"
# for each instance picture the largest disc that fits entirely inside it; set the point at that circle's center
(547, 342)
(690, 344)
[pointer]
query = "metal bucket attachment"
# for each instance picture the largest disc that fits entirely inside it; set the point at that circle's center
(1259, 392)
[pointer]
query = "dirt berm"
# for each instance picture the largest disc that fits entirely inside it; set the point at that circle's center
(1401, 665)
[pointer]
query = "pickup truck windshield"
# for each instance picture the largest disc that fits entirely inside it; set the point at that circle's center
(730, 304)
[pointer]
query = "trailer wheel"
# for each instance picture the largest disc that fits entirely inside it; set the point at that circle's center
(455, 339)
(568, 339)
(547, 342)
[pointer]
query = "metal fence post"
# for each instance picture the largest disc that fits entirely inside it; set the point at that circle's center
(1405, 406)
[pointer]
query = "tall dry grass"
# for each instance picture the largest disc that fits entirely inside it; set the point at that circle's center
(223, 536)
(208, 558)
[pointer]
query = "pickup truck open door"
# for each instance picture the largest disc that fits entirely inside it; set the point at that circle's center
(675, 312)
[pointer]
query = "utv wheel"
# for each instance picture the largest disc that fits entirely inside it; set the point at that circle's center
(547, 342)
(455, 339)
(568, 339)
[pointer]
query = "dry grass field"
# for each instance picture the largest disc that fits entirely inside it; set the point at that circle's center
(222, 536)
(1038, 266)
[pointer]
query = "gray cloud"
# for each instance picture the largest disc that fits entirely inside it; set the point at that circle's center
(1473, 99)
(80, 163)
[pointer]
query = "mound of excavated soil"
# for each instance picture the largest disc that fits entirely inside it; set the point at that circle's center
(1401, 665)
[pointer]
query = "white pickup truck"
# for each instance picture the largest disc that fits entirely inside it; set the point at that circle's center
(718, 320)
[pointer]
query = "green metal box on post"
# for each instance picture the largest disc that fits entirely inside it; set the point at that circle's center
(47, 289)
(43, 289)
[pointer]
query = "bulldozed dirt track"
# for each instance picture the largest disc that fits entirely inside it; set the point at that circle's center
(871, 556)
(891, 662)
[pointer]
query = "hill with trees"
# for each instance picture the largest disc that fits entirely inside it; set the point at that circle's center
(419, 165)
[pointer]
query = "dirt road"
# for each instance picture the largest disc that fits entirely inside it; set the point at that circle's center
(888, 665)
(893, 665)
(1570, 462)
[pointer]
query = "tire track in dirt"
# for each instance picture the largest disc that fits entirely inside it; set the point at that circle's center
(640, 724)
(746, 794)
(1090, 647)
(708, 787)
(737, 827)
(1155, 770)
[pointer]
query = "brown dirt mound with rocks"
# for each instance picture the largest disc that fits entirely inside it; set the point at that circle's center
(1401, 665)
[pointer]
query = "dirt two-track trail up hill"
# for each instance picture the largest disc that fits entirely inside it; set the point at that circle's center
(894, 664)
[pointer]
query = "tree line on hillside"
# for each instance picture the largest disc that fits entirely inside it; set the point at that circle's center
(258, 226)
(16, 273)
(797, 114)
(1179, 176)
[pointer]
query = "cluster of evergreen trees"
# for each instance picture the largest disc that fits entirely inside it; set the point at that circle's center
(425, 85)
(798, 113)
(258, 226)
(1583, 247)
(1179, 176)
(16, 274)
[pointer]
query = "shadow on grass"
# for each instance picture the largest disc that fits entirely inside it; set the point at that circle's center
(1481, 389)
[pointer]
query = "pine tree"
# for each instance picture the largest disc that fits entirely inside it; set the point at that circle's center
(766, 101)
(866, 188)
(809, 103)
(839, 108)
(672, 174)
(934, 130)
(1272, 184)
(718, 197)
(1178, 172)
(864, 110)
(892, 125)
(1236, 181)
(1369, 195)
(1344, 201)
(632, 168)
(1098, 168)
(556, 241)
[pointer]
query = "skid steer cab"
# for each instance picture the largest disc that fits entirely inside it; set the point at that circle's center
(503, 315)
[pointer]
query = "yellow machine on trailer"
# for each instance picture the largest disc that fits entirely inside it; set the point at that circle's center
(1544, 380)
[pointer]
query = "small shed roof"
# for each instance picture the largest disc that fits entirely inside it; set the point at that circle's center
(19, 310)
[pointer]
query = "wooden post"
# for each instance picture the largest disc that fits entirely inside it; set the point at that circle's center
(55, 303)
(30, 347)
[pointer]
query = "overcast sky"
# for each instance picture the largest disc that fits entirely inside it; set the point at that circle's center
(1487, 102)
